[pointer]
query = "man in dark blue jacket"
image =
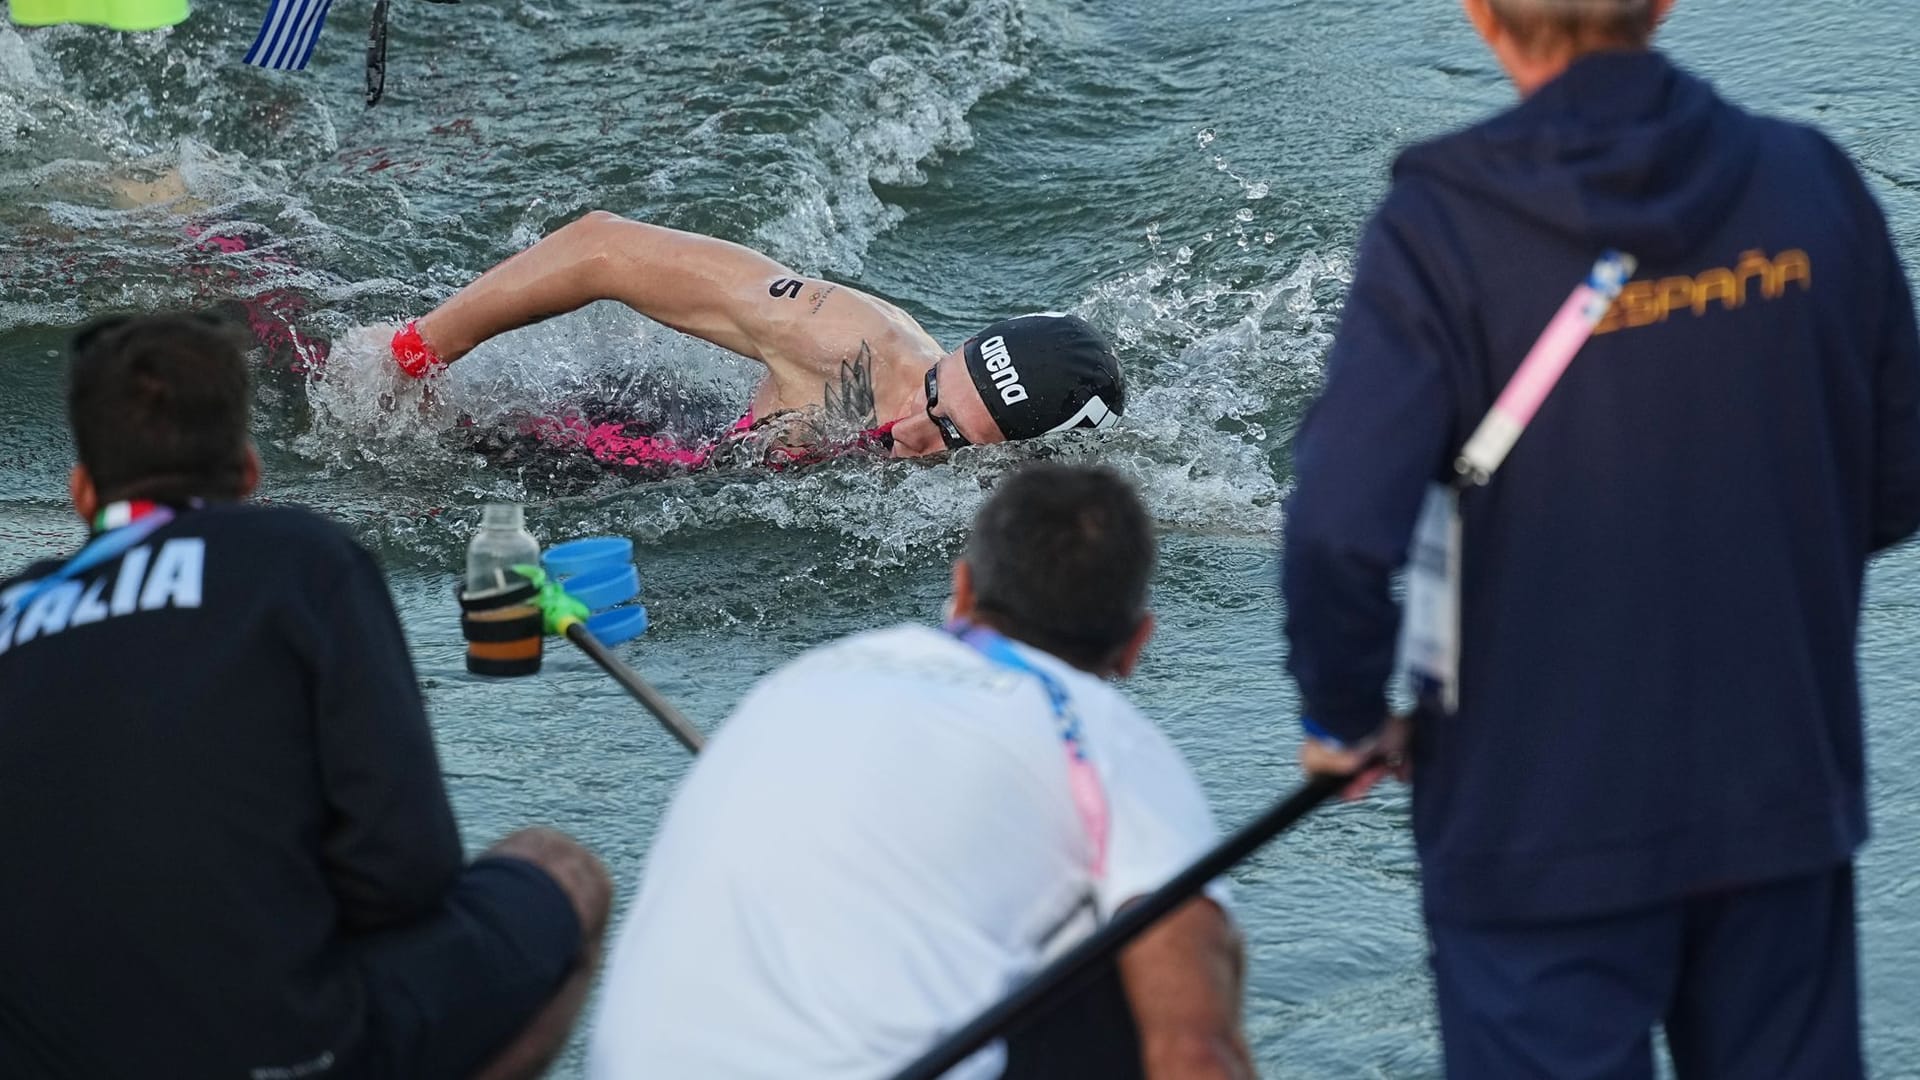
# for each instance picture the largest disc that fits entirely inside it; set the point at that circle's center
(230, 849)
(1644, 810)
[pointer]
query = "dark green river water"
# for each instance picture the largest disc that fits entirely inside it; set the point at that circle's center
(1189, 174)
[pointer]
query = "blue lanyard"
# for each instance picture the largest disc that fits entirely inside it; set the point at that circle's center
(103, 548)
(1089, 797)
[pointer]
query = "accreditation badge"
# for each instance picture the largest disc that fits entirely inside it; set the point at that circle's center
(1430, 623)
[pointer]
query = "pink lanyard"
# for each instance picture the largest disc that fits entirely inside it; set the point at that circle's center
(1542, 368)
(1083, 780)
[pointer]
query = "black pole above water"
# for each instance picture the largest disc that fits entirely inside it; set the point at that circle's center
(670, 718)
(1083, 960)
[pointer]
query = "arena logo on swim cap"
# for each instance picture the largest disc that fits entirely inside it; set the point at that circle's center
(1001, 370)
(1093, 414)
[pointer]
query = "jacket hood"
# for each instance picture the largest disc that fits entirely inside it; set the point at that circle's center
(1622, 150)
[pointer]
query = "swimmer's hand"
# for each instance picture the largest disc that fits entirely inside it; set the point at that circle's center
(413, 355)
(362, 366)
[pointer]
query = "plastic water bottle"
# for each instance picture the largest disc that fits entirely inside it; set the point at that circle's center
(502, 543)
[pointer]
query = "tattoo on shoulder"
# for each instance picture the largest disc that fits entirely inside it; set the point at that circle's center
(846, 408)
(848, 399)
(820, 295)
(787, 288)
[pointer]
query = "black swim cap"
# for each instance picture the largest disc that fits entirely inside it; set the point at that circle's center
(1046, 372)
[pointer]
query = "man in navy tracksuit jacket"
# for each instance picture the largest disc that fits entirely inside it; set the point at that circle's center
(1645, 808)
(229, 850)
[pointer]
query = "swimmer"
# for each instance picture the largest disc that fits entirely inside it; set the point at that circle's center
(845, 370)
(248, 286)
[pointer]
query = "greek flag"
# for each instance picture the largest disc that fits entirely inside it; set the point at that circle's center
(287, 36)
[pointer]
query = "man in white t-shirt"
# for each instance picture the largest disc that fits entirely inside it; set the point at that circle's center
(895, 830)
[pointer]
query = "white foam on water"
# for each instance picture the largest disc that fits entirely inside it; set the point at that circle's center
(1230, 359)
(361, 394)
(95, 183)
(919, 71)
(910, 107)
(38, 122)
(16, 62)
(1212, 370)
(1209, 365)
(50, 108)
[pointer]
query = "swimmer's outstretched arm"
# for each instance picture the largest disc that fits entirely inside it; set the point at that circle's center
(699, 285)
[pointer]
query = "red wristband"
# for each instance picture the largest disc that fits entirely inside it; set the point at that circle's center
(413, 354)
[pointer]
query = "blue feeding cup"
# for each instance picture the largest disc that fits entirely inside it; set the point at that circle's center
(577, 557)
(598, 571)
(605, 586)
(618, 624)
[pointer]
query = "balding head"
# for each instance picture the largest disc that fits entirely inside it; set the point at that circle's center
(1536, 40)
(1578, 26)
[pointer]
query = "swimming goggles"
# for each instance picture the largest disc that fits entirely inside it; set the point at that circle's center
(949, 433)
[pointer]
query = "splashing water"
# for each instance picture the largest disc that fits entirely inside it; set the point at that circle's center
(1194, 441)
(1188, 174)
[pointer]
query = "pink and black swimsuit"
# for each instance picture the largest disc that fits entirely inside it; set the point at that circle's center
(610, 443)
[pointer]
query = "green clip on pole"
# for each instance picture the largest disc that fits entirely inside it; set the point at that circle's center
(567, 616)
